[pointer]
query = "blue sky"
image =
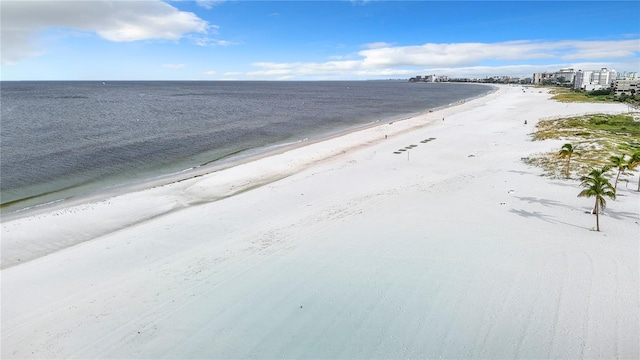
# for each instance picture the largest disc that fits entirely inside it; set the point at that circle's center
(312, 40)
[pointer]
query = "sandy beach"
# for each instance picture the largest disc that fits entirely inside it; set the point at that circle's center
(343, 248)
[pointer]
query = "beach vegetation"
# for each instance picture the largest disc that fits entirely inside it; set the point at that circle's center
(599, 137)
(596, 185)
(570, 95)
(564, 94)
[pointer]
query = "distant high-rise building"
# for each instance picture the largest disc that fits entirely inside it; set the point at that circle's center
(568, 75)
(582, 78)
(604, 77)
(430, 78)
(594, 80)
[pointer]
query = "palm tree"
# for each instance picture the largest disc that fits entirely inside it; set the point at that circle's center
(566, 151)
(596, 185)
(633, 163)
(621, 164)
(597, 173)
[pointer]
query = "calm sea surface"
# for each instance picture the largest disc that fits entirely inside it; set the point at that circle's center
(63, 139)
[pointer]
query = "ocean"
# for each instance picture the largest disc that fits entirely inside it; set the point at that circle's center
(60, 140)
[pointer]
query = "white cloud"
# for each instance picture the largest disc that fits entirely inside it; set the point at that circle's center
(207, 41)
(119, 21)
(226, 73)
(298, 71)
(209, 4)
(462, 59)
(173, 66)
(448, 54)
(466, 54)
(602, 49)
(305, 69)
(377, 45)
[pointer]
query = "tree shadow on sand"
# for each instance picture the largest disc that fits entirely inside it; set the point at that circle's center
(621, 215)
(531, 214)
(543, 202)
(609, 211)
(574, 185)
(543, 217)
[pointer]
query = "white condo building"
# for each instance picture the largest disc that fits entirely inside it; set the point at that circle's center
(594, 80)
(567, 74)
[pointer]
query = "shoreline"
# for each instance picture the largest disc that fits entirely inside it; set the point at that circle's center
(453, 248)
(245, 156)
(71, 211)
(86, 181)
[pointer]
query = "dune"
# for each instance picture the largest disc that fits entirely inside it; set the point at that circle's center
(422, 238)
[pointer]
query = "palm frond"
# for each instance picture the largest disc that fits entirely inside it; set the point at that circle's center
(585, 193)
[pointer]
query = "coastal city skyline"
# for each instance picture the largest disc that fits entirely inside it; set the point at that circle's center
(321, 40)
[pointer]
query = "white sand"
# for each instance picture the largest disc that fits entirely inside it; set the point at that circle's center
(347, 251)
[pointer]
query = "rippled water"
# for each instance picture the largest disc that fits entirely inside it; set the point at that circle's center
(59, 139)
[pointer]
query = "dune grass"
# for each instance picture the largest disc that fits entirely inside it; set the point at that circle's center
(596, 136)
(568, 95)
